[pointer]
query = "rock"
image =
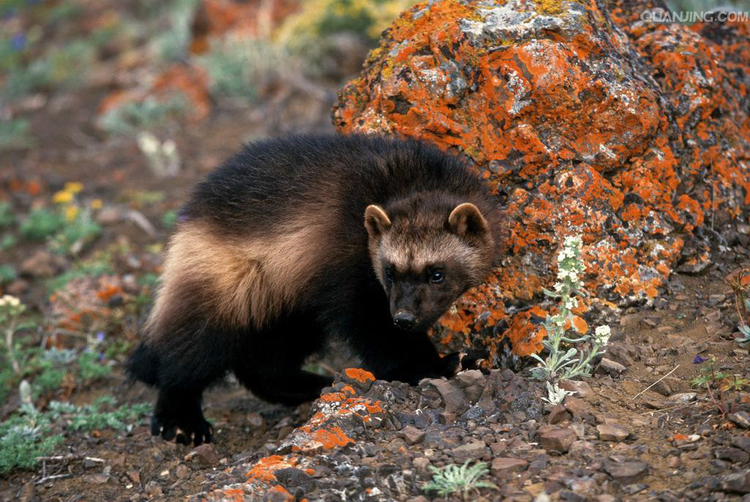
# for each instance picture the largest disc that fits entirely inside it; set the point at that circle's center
(741, 442)
(420, 498)
(255, 419)
(558, 414)
(453, 396)
(503, 465)
(612, 432)
(581, 389)
(97, 479)
(278, 496)
(611, 367)
(682, 397)
(134, 476)
(91, 463)
(621, 353)
(740, 418)
(204, 455)
(358, 378)
(731, 454)
(412, 435)
(736, 482)
(557, 440)
(472, 382)
(626, 472)
(582, 449)
(153, 489)
(674, 462)
(294, 478)
(108, 216)
(578, 407)
(472, 451)
(421, 463)
(182, 471)
(662, 387)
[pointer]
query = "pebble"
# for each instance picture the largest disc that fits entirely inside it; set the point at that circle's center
(181, 471)
(134, 476)
(558, 414)
(582, 389)
(682, 397)
(205, 455)
(611, 367)
(98, 479)
(421, 463)
(741, 418)
(557, 440)
(502, 465)
(453, 396)
(626, 471)
(736, 482)
(731, 454)
(153, 489)
(472, 451)
(612, 432)
(412, 435)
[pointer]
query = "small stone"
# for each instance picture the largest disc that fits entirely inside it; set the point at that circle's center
(40, 264)
(98, 479)
(612, 432)
(412, 435)
(682, 397)
(581, 449)
(452, 394)
(498, 448)
(731, 454)
(558, 440)
(736, 482)
(582, 389)
(558, 414)
(502, 465)
(420, 498)
(674, 462)
(107, 216)
(578, 407)
(134, 476)
(90, 463)
(626, 472)
(611, 367)
(153, 489)
(741, 442)
(255, 420)
(205, 455)
(181, 471)
(278, 496)
(741, 418)
(421, 463)
(472, 382)
(472, 451)
(662, 387)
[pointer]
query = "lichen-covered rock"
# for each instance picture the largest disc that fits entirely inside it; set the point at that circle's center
(634, 135)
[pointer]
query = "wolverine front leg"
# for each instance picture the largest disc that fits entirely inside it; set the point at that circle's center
(392, 354)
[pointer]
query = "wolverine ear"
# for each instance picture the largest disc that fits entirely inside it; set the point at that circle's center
(466, 220)
(376, 221)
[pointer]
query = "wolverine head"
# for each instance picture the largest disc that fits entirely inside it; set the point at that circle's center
(426, 251)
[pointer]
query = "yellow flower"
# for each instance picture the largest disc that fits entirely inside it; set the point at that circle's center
(62, 197)
(96, 204)
(71, 212)
(73, 187)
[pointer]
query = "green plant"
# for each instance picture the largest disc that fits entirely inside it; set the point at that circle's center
(90, 367)
(7, 242)
(15, 133)
(149, 114)
(561, 363)
(40, 224)
(75, 233)
(740, 284)
(6, 215)
(460, 480)
(23, 438)
(169, 219)
(723, 388)
(7, 274)
(93, 416)
(239, 67)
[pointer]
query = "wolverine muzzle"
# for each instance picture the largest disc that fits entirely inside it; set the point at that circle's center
(404, 320)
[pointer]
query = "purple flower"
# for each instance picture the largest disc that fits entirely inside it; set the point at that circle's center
(18, 41)
(100, 336)
(699, 359)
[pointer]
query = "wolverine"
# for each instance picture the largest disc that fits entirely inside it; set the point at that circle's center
(297, 242)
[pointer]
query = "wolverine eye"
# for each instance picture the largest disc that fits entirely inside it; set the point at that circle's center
(437, 276)
(389, 273)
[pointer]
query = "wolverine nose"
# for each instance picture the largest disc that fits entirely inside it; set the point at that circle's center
(404, 320)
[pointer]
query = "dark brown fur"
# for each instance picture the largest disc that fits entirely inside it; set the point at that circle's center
(295, 241)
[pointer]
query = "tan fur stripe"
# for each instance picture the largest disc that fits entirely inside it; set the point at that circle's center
(242, 282)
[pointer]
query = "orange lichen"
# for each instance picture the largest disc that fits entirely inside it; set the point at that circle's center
(359, 375)
(263, 470)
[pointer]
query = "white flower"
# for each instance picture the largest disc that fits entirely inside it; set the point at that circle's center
(570, 303)
(602, 334)
(556, 395)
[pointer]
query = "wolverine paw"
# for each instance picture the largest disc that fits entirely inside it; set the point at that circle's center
(473, 360)
(196, 430)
